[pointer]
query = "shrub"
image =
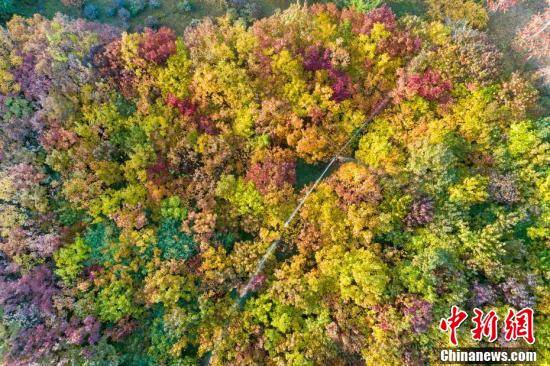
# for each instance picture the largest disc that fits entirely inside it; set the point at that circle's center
(185, 6)
(469, 11)
(151, 22)
(90, 12)
(111, 11)
(157, 46)
(75, 3)
(6, 10)
(135, 6)
(123, 14)
(360, 5)
(155, 4)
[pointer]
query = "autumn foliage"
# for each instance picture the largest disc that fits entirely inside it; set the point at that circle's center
(144, 175)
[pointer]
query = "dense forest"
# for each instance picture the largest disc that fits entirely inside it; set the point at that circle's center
(314, 187)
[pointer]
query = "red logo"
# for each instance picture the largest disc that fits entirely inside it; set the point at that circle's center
(453, 322)
(519, 325)
(485, 325)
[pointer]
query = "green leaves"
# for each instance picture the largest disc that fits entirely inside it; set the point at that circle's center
(70, 260)
(171, 208)
(173, 243)
(242, 195)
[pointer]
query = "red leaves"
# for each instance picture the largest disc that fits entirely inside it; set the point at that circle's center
(341, 85)
(501, 5)
(421, 212)
(363, 23)
(257, 282)
(534, 38)
(108, 61)
(158, 172)
(318, 58)
(273, 172)
(186, 107)
(429, 85)
(400, 44)
(58, 138)
(157, 46)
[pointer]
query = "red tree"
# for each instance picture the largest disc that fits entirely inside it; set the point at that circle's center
(157, 46)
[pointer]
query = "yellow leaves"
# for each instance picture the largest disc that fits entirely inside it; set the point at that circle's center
(35, 199)
(133, 194)
(223, 85)
(245, 44)
(116, 300)
(11, 218)
(104, 116)
(175, 77)
(477, 117)
(350, 118)
(111, 201)
(245, 256)
(222, 51)
(165, 286)
(361, 219)
(438, 131)
(522, 138)
(322, 207)
(386, 65)
(471, 190)
(325, 28)
(6, 188)
(129, 52)
(377, 149)
(359, 274)
(244, 120)
(214, 265)
(7, 81)
(279, 205)
(290, 284)
(438, 33)
(290, 68)
(155, 125)
(459, 10)
(107, 171)
(283, 322)
(142, 239)
(242, 195)
(203, 141)
(367, 44)
(543, 186)
(135, 167)
(378, 32)
(314, 145)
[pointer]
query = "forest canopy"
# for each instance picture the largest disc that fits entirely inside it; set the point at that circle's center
(144, 175)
